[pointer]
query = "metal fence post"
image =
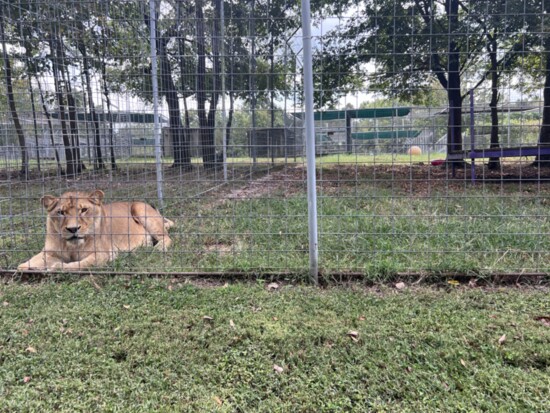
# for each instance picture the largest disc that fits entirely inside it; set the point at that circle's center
(158, 159)
(310, 145)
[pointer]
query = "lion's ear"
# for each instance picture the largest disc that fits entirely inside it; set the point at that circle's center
(96, 197)
(49, 202)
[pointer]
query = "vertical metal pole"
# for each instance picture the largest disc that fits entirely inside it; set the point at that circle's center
(472, 138)
(153, 40)
(349, 148)
(310, 145)
(224, 121)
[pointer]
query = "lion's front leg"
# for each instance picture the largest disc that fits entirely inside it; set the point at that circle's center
(41, 261)
(91, 260)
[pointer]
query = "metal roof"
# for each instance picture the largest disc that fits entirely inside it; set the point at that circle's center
(369, 113)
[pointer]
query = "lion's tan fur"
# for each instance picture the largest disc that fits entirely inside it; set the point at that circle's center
(81, 231)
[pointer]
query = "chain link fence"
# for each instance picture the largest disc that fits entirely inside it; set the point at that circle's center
(430, 148)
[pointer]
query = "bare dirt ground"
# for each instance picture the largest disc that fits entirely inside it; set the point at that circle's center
(421, 179)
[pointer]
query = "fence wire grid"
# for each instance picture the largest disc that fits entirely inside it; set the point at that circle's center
(178, 130)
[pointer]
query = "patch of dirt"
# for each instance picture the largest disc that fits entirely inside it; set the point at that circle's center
(220, 248)
(291, 179)
(423, 179)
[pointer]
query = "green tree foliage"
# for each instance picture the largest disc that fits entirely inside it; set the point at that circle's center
(400, 48)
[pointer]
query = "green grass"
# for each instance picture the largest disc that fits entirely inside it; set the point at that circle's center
(141, 345)
(372, 220)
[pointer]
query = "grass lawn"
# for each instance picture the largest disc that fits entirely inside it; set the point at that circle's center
(140, 345)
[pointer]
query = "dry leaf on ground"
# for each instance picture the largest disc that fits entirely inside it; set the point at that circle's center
(545, 320)
(272, 286)
(354, 335)
(400, 285)
(278, 369)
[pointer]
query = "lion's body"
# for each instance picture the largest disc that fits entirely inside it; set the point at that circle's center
(81, 231)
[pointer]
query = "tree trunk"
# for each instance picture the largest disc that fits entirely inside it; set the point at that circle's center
(109, 114)
(454, 131)
(494, 163)
(11, 103)
(209, 155)
(98, 156)
(544, 135)
(187, 126)
(73, 120)
(182, 158)
(454, 126)
(60, 171)
(206, 138)
(230, 118)
(105, 86)
(28, 57)
(71, 167)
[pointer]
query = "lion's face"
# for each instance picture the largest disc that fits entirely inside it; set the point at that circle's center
(74, 216)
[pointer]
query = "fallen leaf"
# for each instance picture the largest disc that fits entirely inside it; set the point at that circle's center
(453, 282)
(545, 320)
(31, 349)
(409, 369)
(362, 318)
(170, 287)
(126, 306)
(502, 339)
(5, 303)
(278, 369)
(463, 362)
(218, 400)
(400, 285)
(354, 335)
(272, 286)
(275, 318)
(26, 379)
(25, 332)
(231, 323)
(207, 318)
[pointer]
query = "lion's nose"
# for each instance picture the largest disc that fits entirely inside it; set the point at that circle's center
(73, 230)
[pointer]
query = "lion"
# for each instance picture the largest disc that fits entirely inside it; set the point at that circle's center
(82, 232)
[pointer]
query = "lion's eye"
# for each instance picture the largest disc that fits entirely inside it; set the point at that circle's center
(84, 210)
(60, 212)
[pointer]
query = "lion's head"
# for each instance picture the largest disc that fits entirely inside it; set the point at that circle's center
(74, 216)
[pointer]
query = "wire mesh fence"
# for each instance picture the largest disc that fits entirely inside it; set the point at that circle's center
(176, 131)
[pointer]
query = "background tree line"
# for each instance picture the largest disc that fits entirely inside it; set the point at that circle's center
(458, 44)
(402, 49)
(80, 45)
